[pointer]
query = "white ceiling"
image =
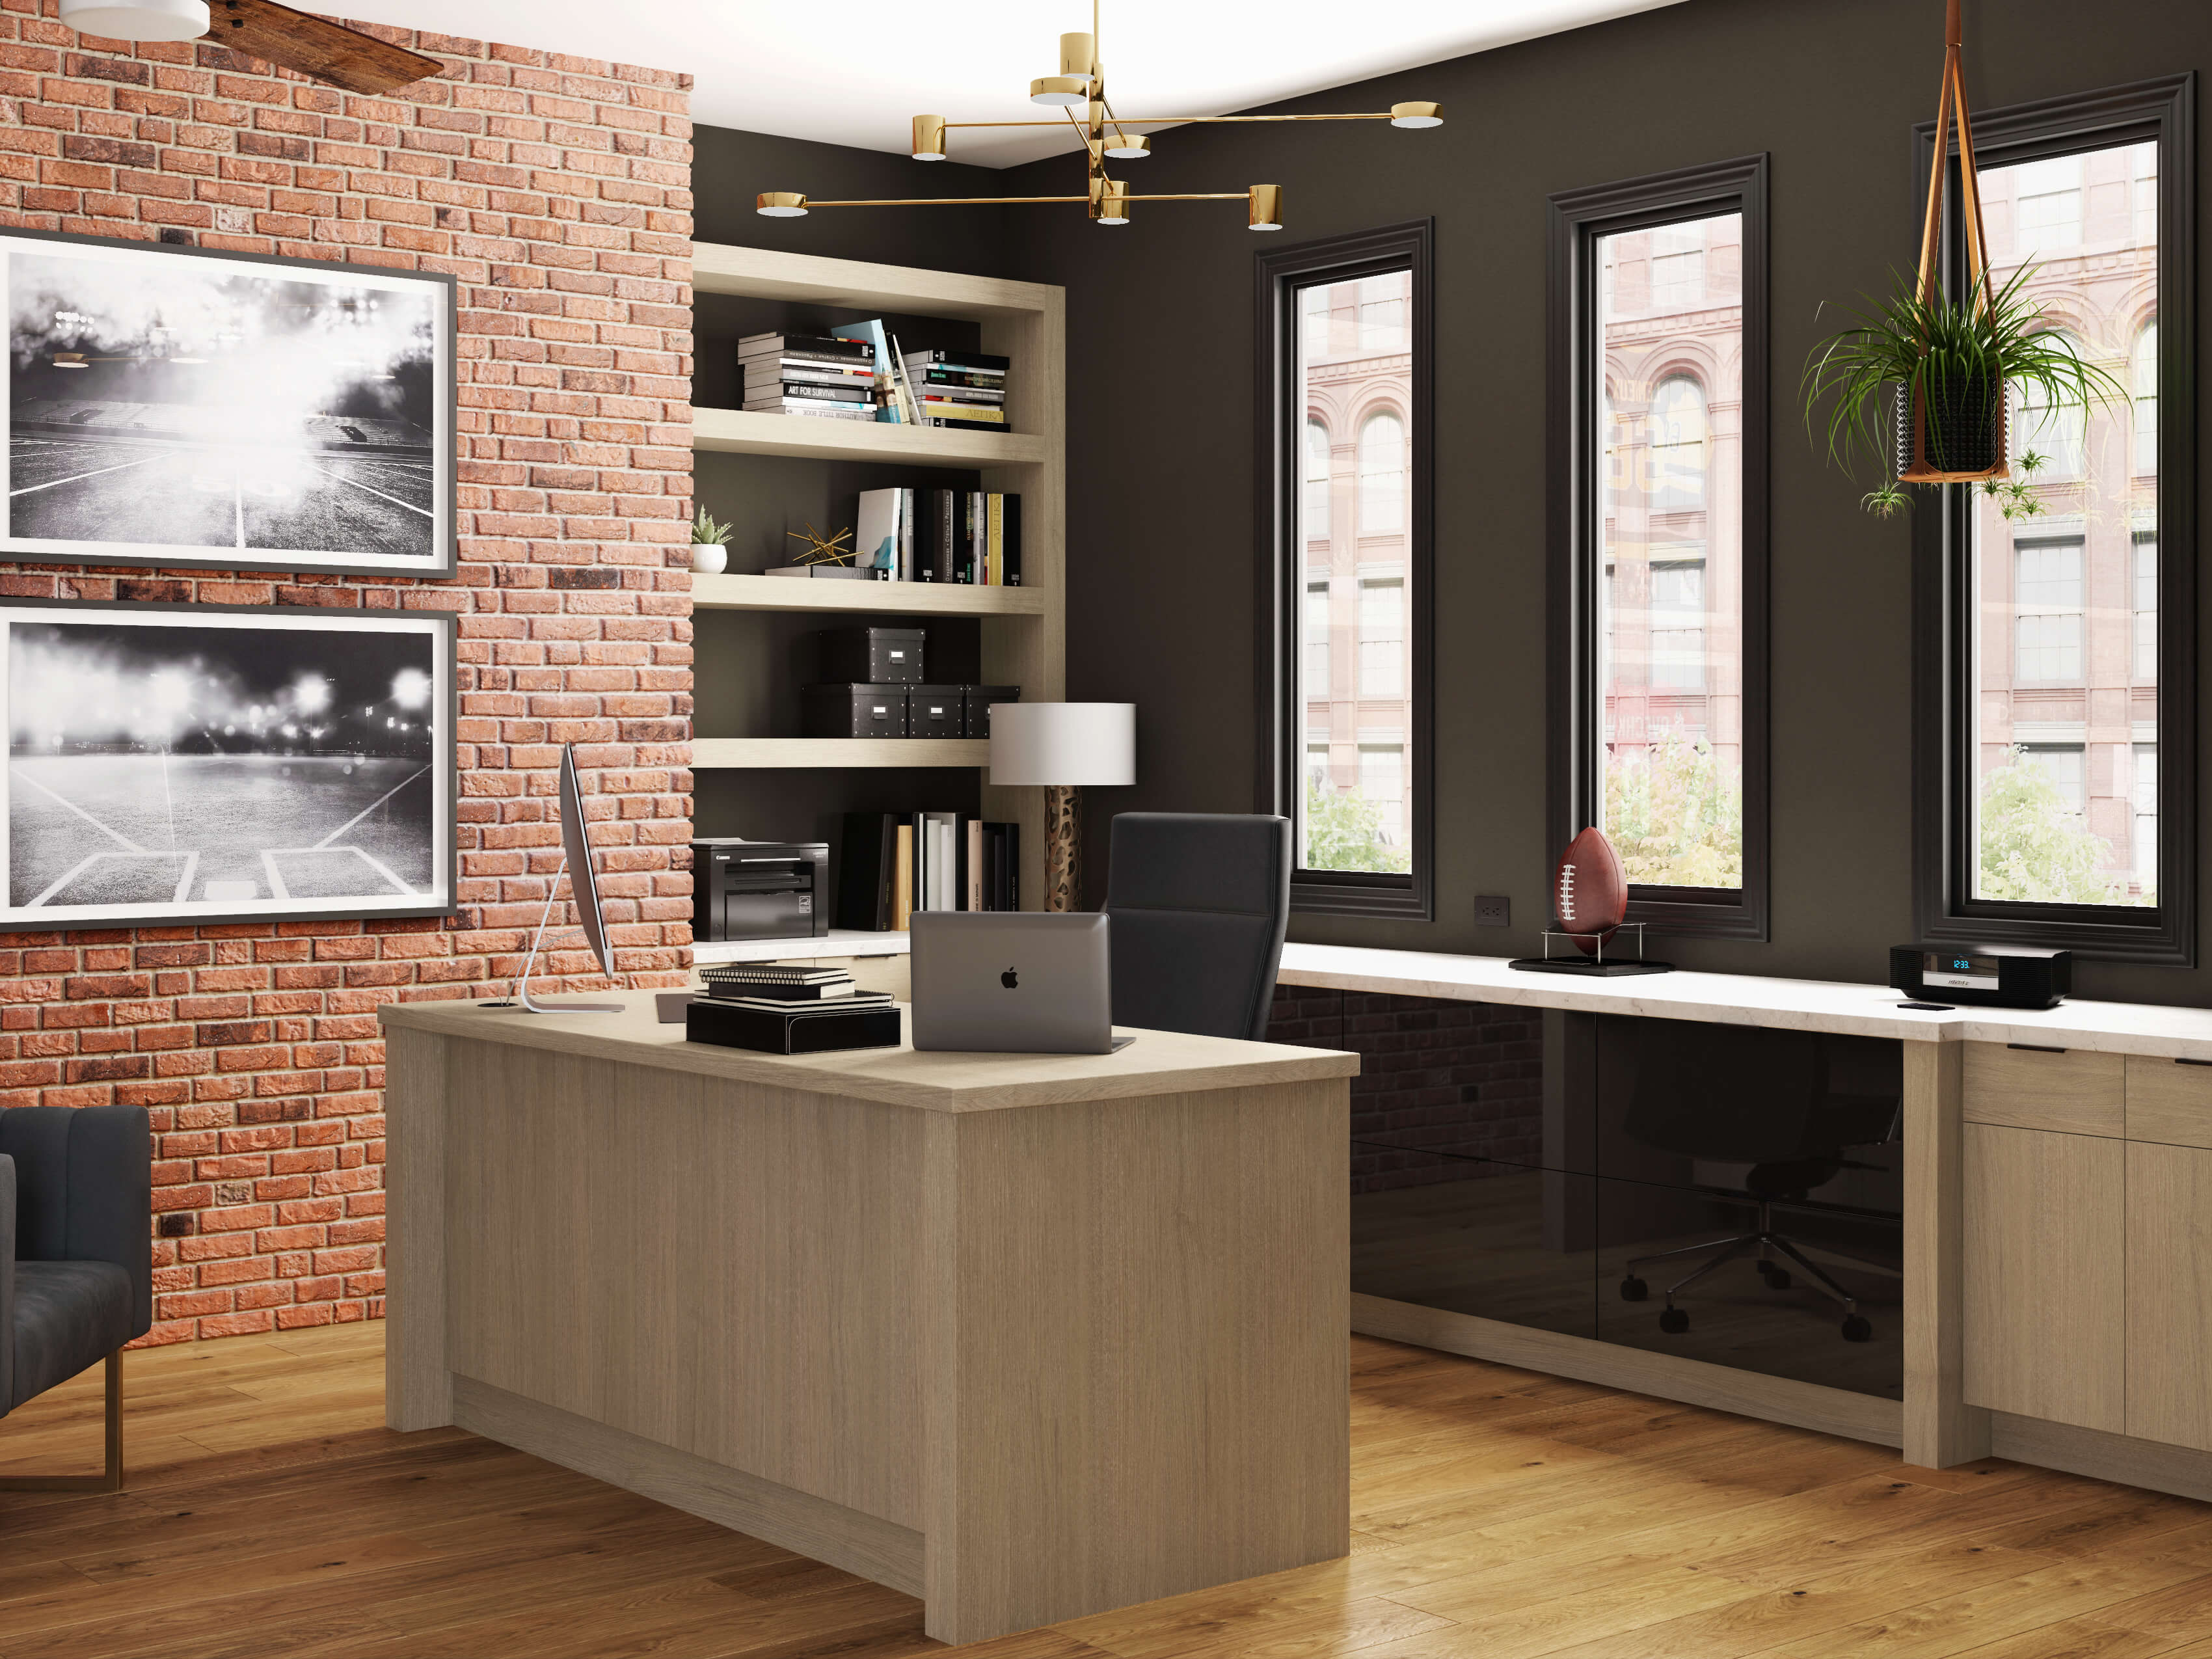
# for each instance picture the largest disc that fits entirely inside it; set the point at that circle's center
(855, 71)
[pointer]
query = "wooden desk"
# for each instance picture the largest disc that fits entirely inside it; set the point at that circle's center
(1027, 1336)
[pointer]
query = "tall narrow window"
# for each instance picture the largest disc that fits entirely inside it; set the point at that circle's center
(1659, 411)
(1345, 349)
(1382, 474)
(2045, 816)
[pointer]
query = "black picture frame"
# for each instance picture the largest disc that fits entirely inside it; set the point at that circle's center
(253, 404)
(1279, 567)
(2163, 110)
(129, 718)
(1577, 219)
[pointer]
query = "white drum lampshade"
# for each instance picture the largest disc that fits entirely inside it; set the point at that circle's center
(137, 20)
(1073, 744)
(1065, 747)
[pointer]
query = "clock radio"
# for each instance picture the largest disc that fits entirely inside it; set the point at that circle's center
(2000, 975)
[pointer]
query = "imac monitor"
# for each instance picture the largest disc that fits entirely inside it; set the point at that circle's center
(584, 888)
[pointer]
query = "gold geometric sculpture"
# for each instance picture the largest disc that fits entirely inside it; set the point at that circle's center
(1081, 85)
(819, 551)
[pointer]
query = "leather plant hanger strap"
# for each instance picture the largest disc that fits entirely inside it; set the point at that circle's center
(1950, 106)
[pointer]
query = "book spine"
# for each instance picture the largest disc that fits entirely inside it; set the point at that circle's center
(1013, 867)
(943, 550)
(973, 548)
(942, 357)
(962, 426)
(994, 546)
(968, 379)
(903, 881)
(808, 389)
(974, 900)
(1013, 538)
(792, 351)
(908, 572)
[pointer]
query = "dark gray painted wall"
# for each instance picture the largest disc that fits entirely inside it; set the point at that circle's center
(1161, 600)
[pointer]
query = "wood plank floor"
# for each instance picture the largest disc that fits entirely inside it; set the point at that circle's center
(1497, 1514)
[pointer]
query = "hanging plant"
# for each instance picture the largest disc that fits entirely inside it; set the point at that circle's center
(1941, 366)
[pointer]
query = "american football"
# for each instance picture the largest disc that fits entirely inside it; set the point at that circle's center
(1590, 890)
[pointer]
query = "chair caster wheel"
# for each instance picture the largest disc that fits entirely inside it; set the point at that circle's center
(1633, 1289)
(1674, 1321)
(1856, 1330)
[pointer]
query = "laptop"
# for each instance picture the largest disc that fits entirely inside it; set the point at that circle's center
(1013, 982)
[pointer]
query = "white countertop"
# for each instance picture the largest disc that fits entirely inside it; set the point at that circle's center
(1751, 999)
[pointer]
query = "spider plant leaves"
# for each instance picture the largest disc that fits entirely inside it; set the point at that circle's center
(1922, 346)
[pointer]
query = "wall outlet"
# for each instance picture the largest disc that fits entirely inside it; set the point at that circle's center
(1494, 910)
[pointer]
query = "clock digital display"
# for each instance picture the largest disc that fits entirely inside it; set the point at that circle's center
(1957, 971)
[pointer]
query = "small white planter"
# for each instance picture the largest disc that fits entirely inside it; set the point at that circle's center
(709, 558)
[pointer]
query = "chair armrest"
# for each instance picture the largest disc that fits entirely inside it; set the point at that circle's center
(7, 1282)
(85, 1191)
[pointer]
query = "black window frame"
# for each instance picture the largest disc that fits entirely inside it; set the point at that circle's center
(1279, 424)
(1944, 703)
(1574, 579)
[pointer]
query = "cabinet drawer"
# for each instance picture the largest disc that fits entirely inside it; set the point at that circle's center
(2169, 1100)
(2074, 1090)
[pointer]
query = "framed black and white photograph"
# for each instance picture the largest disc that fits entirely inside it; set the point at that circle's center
(181, 406)
(194, 763)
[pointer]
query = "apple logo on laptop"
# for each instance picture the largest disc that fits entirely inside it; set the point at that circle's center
(1009, 980)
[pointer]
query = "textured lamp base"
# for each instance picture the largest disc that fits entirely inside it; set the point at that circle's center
(112, 1479)
(1063, 847)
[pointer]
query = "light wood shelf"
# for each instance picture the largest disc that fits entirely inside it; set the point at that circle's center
(719, 754)
(895, 598)
(747, 432)
(1023, 630)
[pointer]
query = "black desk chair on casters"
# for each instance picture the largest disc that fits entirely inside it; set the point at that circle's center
(77, 1264)
(1787, 1104)
(1200, 902)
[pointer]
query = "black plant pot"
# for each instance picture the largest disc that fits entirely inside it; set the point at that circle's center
(1964, 422)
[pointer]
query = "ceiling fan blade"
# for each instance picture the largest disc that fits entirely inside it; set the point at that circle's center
(315, 46)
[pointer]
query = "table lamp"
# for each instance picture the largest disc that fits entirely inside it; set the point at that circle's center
(1065, 747)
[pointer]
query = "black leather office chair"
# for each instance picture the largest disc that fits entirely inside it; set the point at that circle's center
(1199, 902)
(1790, 1105)
(76, 1270)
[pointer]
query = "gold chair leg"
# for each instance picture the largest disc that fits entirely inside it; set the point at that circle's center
(112, 1479)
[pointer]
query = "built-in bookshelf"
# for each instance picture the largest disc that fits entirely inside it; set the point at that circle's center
(1022, 629)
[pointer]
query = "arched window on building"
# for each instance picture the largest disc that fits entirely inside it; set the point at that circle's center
(1678, 432)
(1316, 481)
(1382, 474)
(2145, 386)
(2055, 432)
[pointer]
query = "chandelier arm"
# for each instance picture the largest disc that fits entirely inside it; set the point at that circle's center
(1215, 195)
(948, 201)
(1161, 120)
(1082, 133)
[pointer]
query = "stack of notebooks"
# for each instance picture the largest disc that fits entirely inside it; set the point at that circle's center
(777, 1009)
(971, 536)
(820, 376)
(964, 389)
(893, 864)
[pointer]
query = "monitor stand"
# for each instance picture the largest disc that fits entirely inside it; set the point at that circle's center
(529, 1004)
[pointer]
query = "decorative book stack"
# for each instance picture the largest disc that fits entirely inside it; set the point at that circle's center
(962, 389)
(777, 1009)
(808, 374)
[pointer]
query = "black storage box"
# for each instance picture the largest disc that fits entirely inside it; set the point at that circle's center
(803, 1030)
(852, 711)
(759, 890)
(871, 656)
(976, 702)
(933, 711)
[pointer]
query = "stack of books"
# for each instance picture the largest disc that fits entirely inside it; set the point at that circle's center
(895, 863)
(777, 1009)
(970, 536)
(962, 389)
(808, 374)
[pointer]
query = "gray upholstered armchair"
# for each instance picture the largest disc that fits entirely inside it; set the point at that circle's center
(76, 1273)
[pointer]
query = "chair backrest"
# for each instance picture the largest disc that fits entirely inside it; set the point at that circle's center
(1199, 902)
(84, 1180)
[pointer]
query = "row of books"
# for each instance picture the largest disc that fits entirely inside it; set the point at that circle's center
(893, 864)
(969, 536)
(857, 373)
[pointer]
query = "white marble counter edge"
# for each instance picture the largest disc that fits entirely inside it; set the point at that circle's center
(1753, 1000)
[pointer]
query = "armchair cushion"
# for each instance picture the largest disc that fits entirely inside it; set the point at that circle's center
(84, 1180)
(69, 1315)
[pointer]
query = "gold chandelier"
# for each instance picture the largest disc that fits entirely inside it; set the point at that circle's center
(1081, 86)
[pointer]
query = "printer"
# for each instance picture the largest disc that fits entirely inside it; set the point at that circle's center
(759, 890)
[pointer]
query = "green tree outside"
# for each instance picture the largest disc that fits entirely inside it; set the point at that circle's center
(2035, 849)
(1344, 832)
(1676, 820)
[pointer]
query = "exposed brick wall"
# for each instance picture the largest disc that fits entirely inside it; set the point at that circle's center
(1433, 1073)
(558, 190)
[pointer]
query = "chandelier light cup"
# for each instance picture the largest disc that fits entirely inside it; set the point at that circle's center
(929, 137)
(138, 20)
